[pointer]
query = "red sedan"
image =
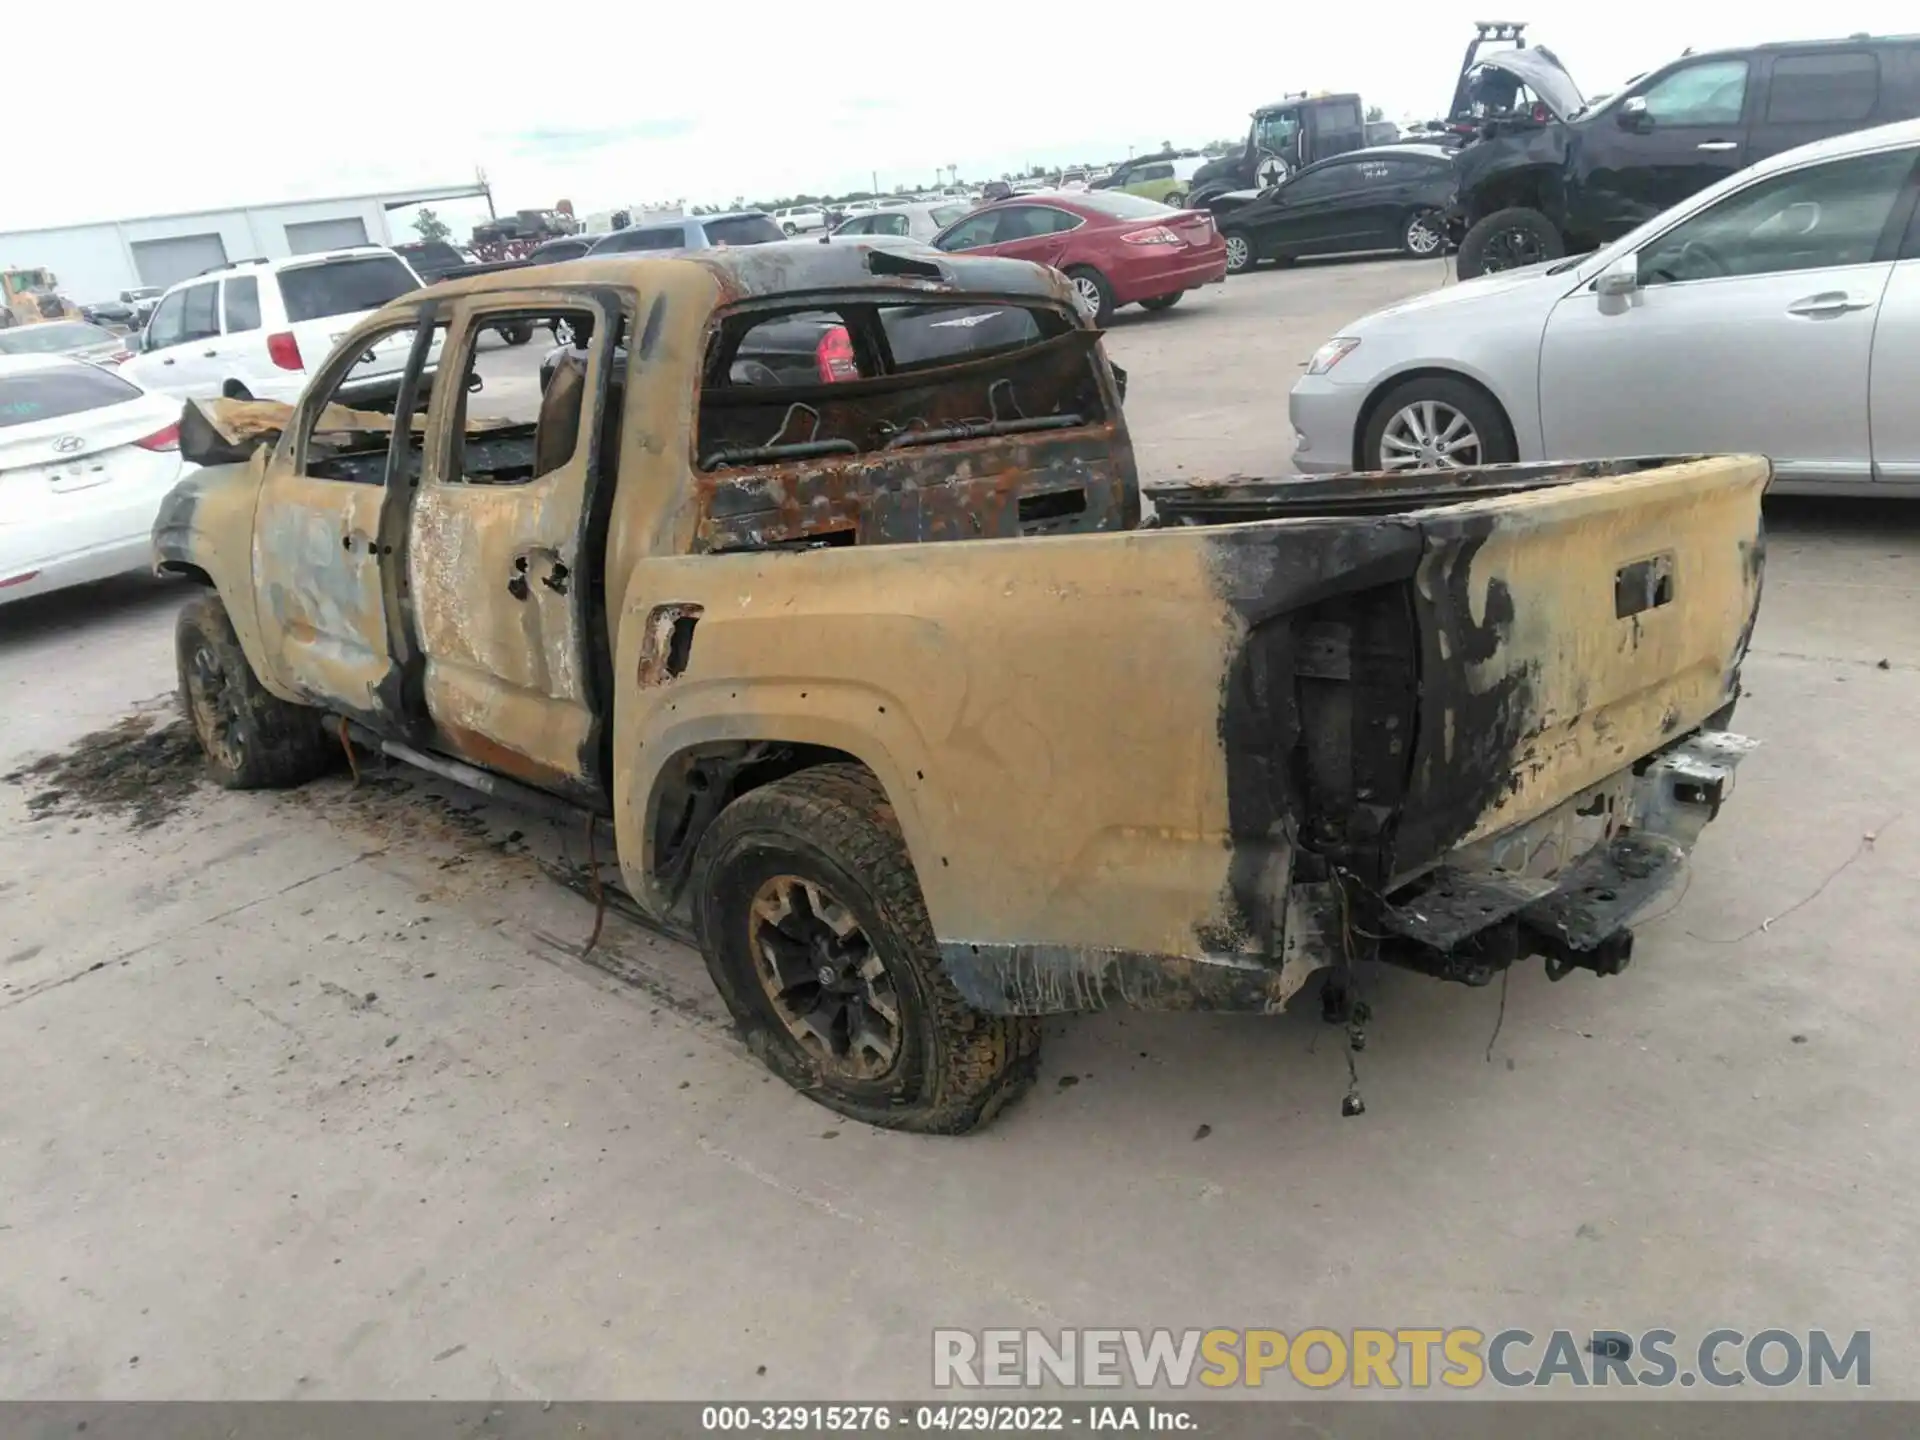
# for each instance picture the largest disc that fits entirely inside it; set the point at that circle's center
(1118, 249)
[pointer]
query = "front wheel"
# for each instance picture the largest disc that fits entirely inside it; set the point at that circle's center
(1240, 256)
(517, 333)
(1424, 234)
(253, 739)
(1176, 200)
(789, 228)
(1095, 295)
(562, 334)
(814, 930)
(1507, 240)
(1162, 302)
(1436, 423)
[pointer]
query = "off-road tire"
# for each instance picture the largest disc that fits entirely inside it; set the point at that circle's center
(253, 740)
(1162, 302)
(956, 1068)
(1086, 274)
(1473, 257)
(518, 333)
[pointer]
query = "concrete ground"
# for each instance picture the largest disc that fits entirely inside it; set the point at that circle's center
(309, 1095)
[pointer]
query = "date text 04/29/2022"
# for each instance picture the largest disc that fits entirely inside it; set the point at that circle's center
(962, 1418)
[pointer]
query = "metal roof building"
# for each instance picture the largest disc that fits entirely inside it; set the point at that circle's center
(97, 261)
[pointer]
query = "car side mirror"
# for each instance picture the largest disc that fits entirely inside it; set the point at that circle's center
(1632, 115)
(1618, 283)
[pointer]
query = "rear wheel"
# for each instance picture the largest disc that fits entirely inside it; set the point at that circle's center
(813, 927)
(1435, 422)
(1240, 256)
(1162, 302)
(1093, 291)
(253, 739)
(517, 333)
(1176, 200)
(1424, 234)
(1507, 240)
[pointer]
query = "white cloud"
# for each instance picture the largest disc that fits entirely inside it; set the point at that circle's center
(608, 101)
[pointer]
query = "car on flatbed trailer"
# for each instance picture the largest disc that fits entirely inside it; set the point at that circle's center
(896, 707)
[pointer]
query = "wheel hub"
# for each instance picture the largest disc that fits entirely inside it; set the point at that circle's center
(824, 977)
(216, 713)
(1429, 435)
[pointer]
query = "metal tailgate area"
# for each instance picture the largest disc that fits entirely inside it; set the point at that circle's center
(1567, 633)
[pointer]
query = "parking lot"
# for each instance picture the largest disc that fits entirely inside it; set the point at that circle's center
(313, 1095)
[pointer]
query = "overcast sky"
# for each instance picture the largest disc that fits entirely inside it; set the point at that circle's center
(623, 101)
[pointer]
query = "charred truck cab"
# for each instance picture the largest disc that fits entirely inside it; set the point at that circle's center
(1281, 139)
(1550, 175)
(894, 706)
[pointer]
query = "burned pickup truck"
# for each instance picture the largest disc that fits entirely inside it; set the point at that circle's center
(899, 710)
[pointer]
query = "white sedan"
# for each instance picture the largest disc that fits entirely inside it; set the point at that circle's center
(85, 459)
(1777, 312)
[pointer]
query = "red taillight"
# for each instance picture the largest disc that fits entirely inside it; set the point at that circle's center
(833, 356)
(167, 439)
(1152, 235)
(284, 351)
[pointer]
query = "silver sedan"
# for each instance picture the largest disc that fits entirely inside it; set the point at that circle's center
(913, 221)
(1777, 312)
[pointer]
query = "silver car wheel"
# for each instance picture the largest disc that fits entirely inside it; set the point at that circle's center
(1087, 291)
(1423, 235)
(1239, 254)
(1429, 435)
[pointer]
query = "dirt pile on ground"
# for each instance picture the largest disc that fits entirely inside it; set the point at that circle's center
(141, 769)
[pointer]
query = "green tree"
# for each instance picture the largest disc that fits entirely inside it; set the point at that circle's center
(430, 226)
(1374, 112)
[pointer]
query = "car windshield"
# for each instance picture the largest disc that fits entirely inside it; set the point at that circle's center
(53, 339)
(743, 230)
(69, 389)
(343, 287)
(1122, 206)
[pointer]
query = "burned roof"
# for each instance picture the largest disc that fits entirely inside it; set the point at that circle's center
(748, 272)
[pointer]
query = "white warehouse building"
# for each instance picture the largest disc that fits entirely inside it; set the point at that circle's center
(97, 261)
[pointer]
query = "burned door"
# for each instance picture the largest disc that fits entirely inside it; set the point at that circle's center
(329, 535)
(506, 543)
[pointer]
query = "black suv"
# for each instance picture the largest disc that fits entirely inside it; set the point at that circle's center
(1550, 174)
(1283, 138)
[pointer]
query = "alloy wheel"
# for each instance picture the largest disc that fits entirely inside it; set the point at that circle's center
(216, 708)
(1239, 253)
(827, 983)
(1429, 435)
(1511, 249)
(1423, 234)
(1088, 291)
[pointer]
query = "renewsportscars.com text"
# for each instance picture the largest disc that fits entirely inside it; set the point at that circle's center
(1461, 1358)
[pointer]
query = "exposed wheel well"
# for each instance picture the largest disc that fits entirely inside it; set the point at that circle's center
(700, 782)
(1388, 386)
(186, 572)
(1531, 188)
(234, 390)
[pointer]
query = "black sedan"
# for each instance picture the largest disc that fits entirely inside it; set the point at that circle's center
(1385, 197)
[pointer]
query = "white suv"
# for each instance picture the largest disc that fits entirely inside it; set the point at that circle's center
(255, 329)
(799, 219)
